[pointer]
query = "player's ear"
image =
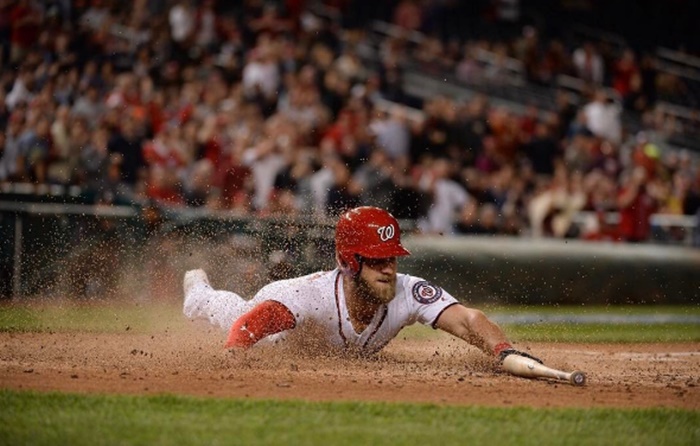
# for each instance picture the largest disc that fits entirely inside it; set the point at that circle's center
(345, 266)
(360, 263)
(342, 264)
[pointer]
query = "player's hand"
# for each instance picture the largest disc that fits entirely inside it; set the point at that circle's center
(512, 351)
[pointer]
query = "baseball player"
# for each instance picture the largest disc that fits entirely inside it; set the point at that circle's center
(360, 306)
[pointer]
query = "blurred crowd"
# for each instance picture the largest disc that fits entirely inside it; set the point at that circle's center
(263, 108)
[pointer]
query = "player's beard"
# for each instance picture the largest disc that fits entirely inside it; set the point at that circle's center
(381, 293)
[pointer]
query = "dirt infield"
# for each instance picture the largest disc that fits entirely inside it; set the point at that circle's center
(191, 361)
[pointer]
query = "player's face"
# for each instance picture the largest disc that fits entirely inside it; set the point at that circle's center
(377, 279)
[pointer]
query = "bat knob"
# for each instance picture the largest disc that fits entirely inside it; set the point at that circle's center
(578, 378)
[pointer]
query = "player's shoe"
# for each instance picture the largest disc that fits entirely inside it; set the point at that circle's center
(192, 283)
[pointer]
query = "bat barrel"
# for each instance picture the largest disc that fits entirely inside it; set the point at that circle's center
(578, 378)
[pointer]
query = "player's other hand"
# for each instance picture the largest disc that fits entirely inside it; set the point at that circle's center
(512, 351)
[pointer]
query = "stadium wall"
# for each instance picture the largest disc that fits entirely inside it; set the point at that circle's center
(86, 251)
(529, 271)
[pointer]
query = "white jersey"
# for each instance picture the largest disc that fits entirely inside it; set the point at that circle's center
(318, 300)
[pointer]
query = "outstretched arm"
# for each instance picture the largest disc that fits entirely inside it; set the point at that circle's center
(265, 319)
(474, 327)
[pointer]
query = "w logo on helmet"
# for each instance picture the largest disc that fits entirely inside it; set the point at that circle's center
(386, 232)
(368, 232)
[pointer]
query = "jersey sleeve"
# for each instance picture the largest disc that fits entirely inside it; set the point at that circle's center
(294, 294)
(265, 319)
(427, 301)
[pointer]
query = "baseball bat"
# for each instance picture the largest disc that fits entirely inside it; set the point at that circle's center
(528, 368)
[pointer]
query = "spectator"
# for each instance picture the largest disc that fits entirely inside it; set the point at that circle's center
(261, 78)
(296, 178)
(691, 202)
(391, 82)
(88, 106)
(206, 29)
(127, 142)
(408, 14)
(566, 112)
(182, 22)
(625, 74)
(162, 186)
(603, 117)
(4, 164)
(323, 179)
(637, 201)
(196, 186)
(4, 110)
(10, 159)
(527, 50)
(391, 134)
(302, 106)
(35, 148)
(62, 134)
(489, 220)
(20, 92)
(270, 21)
(448, 198)
(542, 151)
(552, 210)
(265, 161)
(95, 161)
(25, 22)
(478, 220)
(344, 194)
(233, 180)
(554, 62)
(589, 64)
(645, 92)
(409, 202)
(468, 70)
(468, 221)
(375, 180)
(349, 66)
(166, 150)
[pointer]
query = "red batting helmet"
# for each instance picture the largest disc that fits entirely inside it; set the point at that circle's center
(367, 232)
